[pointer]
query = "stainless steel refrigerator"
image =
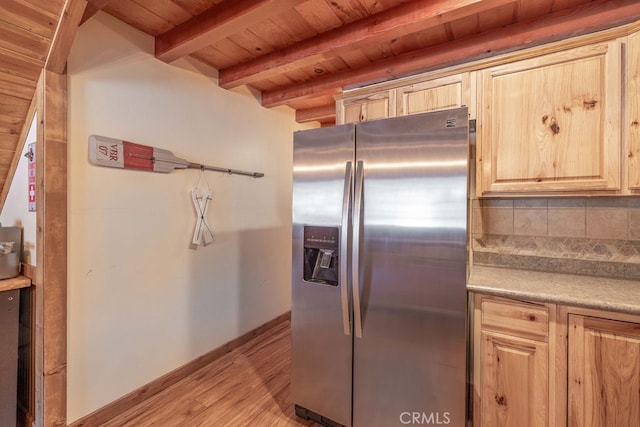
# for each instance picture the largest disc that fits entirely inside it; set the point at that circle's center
(379, 306)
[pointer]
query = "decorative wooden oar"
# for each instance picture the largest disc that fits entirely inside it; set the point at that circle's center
(116, 153)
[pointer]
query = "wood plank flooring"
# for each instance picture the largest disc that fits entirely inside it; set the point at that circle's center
(246, 387)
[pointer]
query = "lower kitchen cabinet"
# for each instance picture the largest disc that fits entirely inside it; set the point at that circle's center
(513, 363)
(604, 372)
(554, 365)
(515, 383)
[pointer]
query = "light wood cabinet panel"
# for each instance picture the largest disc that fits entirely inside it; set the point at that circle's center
(515, 385)
(514, 363)
(554, 365)
(432, 95)
(552, 123)
(366, 107)
(516, 318)
(632, 99)
(604, 372)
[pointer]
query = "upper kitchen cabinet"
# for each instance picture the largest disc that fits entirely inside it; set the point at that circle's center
(418, 94)
(368, 106)
(632, 104)
(551, 123)
(437, 94)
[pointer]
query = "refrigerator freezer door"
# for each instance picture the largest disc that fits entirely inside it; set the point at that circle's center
(320, 316)
(409, 364)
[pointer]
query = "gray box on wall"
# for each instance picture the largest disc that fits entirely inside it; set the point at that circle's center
(10, 261)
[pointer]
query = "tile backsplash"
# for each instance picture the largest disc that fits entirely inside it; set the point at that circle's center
(590, 218)
(612, 250)
(571, 229)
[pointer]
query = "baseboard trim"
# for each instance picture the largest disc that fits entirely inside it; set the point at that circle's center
(138, 396)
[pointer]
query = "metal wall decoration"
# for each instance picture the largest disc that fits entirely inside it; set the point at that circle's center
(31, 171)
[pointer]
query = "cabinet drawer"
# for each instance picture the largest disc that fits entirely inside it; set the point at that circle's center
(524, 319)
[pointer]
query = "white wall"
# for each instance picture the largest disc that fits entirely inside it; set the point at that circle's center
(15, 212)
(141, 301)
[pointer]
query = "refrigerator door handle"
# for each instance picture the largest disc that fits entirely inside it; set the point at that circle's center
(344, 247)
(355, 261)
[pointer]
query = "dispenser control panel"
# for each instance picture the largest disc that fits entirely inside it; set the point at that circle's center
(321, 254)
(321, 237)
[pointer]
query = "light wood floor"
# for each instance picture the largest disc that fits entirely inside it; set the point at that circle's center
(246, 387)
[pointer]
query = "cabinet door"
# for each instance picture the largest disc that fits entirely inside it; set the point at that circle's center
(367, 107)
(437, 94)
(515, 381)
(632, 94)
(552, 123)
(604, 372)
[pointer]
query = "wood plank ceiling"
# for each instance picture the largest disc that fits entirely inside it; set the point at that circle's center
(26, 31)
(302, 52)
(297, 52)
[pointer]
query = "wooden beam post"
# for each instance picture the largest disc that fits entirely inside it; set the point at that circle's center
(65, 34)
(93, 7)
(50, 282)
(51, 247)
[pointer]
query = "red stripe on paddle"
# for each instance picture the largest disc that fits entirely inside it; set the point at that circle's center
(137, 156)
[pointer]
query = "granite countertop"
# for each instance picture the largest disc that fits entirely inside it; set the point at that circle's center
(621, 295)
(14, 283)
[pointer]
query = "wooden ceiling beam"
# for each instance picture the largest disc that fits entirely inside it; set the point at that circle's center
(407, 18)
(216, 23)
(65, 34)
(93, 7)
(584, 19)
(322, 114)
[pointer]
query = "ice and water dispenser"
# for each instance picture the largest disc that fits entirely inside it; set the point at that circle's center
(321, 255)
